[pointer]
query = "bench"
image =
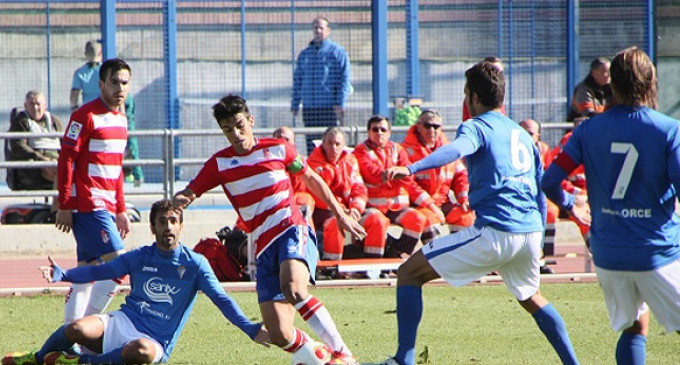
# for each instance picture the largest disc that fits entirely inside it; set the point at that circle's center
(372, 267)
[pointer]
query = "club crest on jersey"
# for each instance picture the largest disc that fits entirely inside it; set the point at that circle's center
(181, 270)
(267, 154)
(105, 236)
(74, 130)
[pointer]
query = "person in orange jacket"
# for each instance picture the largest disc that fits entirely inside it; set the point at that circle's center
(303, 198)
(448, 185)
(338, 167)
(393, 198)
(553, 211)
(575, 183)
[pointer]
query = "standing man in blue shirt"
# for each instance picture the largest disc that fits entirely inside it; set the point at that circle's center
(164, 279)
(321, 81)
(504, 171)
(631, 155)
(86, 78)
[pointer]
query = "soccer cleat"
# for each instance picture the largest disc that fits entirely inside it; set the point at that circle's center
(339, 358)
(19, 358)
(60, 358)
(390, 361)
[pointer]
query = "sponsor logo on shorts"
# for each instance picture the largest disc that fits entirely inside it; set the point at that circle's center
(105, 236)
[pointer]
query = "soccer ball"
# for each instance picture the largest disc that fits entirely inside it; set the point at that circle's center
(312, 353)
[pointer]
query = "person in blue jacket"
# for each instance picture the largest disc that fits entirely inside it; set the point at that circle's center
(321, 81)
(164, 279)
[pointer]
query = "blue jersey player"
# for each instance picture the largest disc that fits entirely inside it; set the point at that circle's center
(164, 278)
(631, 155)
(504, 169)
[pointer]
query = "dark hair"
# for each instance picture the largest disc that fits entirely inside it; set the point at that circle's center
(492, 59)
(377, 118)
(633, 78)
(598, 62)
(229, 106)
(111, 66)
(162, 206)
(488, 82)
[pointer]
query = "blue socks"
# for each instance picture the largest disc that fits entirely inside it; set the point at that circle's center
(552, 325)
(409, 314)
(113, 357)
(56, 342)
(631, 349)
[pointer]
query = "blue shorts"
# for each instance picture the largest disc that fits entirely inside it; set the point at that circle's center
(96, 235)
(297, 242)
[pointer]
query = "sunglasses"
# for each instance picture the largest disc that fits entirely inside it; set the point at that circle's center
(379, 129)
(428, 125)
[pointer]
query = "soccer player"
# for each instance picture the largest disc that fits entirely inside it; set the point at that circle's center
(164, 278)
(90, 184)
(254, 176)
(631, 155)
(504, 171)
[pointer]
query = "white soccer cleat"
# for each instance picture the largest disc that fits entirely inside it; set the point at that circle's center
(312, 353)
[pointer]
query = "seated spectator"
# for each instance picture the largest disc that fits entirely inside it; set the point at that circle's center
(339, 168)
(303, 199)
(447, 185)
(575, 183)
(594, 94)
(35, 119)
(393, 198)
(534, 129)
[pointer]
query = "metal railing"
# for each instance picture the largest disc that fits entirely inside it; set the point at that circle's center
(169, 162)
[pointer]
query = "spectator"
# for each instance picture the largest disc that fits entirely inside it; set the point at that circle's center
(321, 81)
(86, 78)
(593, 95)
(130, 335)
(504, 171)
(35, 119)
(447, 185)
(90, 184)
(574, 183)
(303, 199)
(552, 213)
(393, 198)
(338, 167)
(133, 174)
(254, 175)
(496, 62)
(631, 154)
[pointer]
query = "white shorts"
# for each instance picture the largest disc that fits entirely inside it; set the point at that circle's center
(119, 330)
(626, 292)
(467, 255)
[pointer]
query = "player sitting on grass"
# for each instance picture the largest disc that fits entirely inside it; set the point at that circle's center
(164, 278)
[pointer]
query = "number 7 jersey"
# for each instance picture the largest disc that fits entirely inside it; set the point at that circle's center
(630, 156)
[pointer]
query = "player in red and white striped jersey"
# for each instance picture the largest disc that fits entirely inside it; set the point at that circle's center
(254, 176)
(90, 184)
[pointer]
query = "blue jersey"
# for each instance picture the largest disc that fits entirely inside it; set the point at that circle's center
(163, 290)
(504, 168)
(631, 155)
(86, 78)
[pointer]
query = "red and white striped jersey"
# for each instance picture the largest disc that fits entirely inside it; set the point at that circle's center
(90, 174)
(257, 185)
